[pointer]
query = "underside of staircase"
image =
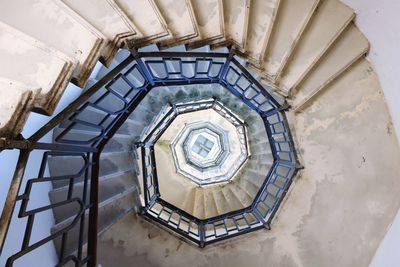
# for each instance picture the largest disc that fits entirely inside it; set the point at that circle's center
(307, 55)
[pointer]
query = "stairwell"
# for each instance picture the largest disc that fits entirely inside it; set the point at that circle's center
(308, 54)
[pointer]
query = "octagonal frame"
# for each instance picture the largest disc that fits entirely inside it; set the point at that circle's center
(184, 108)
(137, 74)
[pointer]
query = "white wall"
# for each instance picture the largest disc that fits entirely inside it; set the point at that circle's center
(379, 20)
(46, 255)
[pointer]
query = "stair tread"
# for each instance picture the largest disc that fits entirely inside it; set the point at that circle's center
(244, 198)
(250, 188)
(327, 24)
(54, 24)
(109, 163)
(14, 115)
(109, 213)
(236, 17)
(209, 203)
(147, 18)
(180, 20)
(114, 24)
(261, 19)
(232, 199)
(349, 48)
(210, 19)
(292, 18)
(198, 205)
(109, 186)
(220, 201)
(34, 66)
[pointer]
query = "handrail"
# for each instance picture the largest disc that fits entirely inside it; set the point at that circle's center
(152, 69)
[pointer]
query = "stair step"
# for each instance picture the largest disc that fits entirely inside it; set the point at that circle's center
(33, 66)
(247, 186)
(15, 110)
(56, 25)
(232, 199)
(109, 186)
(241, 195)
(263, 158)
(261, 149)
(109, 163)
(180, 19)
(329, 21)
(255, 177)
(209, 203)
(109, 19)
(236, 18)
(348, 49)
(293, 17)
(245, 193)
(147, 18)
(110, 212)
(261, 19)
(198, 207)
(188, 204)
(210, 19)
(119, 142)
(220, 201)
(262, 167)
(118, 58)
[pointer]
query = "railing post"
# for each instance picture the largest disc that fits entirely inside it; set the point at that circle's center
(93, 211)
(12, 196)
(226, 66)
(202, 234)
(146, 73)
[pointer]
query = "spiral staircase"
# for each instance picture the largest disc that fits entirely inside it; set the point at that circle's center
(283, 83)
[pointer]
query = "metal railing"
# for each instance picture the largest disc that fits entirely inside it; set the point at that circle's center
(101, 110)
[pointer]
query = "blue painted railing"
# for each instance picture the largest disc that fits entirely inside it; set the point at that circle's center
(102, 110)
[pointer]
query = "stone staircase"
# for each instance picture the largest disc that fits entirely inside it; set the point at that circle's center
(296, 47)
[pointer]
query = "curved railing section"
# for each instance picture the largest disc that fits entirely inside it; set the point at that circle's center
(102, 110)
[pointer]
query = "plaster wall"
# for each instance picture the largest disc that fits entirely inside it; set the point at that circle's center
(380, 22)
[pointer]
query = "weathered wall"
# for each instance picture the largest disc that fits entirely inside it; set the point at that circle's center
(379, 21)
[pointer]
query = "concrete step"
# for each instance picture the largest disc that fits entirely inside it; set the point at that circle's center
(232, 199)
(180, 19)
(329, 21)
(255, 177)
(110, 20)
(188, 203)
(292, 18)
(198, 207)
(57, 26)
(350, 47)
(16, 108)
(261, 20)
(119, 142)
(210, 20)
(89, 119)
(259, 166)
(236, 18)
(250, 188)
(210, 207)
(109, 163)
(240, 194)
(118, 58)
(147, 18)
(110, 212)
(35, 67)
(245, 197)
(220, 201)
(263, 158)
(109, 186)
